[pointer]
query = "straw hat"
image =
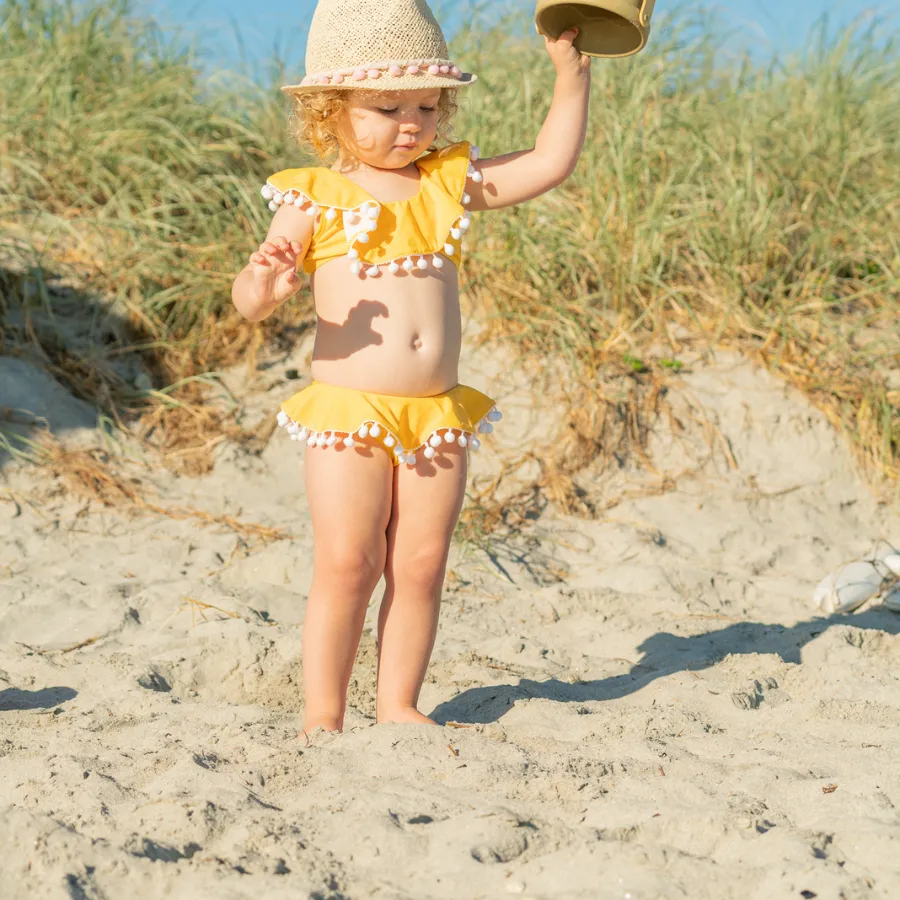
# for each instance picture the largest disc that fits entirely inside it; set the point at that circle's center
(388, 45)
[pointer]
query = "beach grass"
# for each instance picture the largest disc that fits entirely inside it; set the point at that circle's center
(718, 204)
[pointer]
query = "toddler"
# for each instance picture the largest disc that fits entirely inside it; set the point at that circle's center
(386, 423)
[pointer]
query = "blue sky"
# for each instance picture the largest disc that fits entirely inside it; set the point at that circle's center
(224, 25)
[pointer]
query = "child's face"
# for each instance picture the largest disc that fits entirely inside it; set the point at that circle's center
(390, 129)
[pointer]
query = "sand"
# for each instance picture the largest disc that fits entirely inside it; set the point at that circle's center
(645, 705)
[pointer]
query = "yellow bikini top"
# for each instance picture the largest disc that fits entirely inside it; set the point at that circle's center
(406, 234)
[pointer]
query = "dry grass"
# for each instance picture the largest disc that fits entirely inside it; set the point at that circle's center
(743, 206)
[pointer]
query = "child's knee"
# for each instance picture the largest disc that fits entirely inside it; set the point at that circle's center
(421, 567)
(353, 565)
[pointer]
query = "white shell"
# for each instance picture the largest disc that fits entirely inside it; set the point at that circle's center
(495, 416)
(429, 453)
(282, 418)
(462, 440)
(892, 561)
(363, 431)
(437, 262)
(847, 588)
(422, 263)
(375, 430)
(349, 442)
(449, 437)
(449, 248)
(408, 265)
(389, 441)
(267, 191)
(393, 267)
(435, 440)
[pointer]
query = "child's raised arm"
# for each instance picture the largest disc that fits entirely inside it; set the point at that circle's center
(516, 177)
(270, 277)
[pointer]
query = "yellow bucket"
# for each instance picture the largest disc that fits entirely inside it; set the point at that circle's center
(608, 28)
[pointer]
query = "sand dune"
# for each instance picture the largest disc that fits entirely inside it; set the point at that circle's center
(670, 719)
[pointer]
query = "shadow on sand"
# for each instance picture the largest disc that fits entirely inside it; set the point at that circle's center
(663, 654)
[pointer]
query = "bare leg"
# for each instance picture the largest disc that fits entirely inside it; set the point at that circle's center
(349, 493)
(426, 505)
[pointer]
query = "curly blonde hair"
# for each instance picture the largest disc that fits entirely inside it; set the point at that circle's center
(315, 118)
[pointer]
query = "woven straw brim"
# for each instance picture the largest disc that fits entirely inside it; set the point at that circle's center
(388, 83)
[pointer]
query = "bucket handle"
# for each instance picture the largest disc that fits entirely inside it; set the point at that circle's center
(646, 12)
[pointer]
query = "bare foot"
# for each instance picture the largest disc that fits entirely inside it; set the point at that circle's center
(405, 714)
(308, 735)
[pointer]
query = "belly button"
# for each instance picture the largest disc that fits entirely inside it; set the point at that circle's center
(416, 342)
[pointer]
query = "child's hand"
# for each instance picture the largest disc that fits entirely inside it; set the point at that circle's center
(274, 270)
(565, 58)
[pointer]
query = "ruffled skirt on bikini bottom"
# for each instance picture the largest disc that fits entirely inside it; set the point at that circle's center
(323, 415)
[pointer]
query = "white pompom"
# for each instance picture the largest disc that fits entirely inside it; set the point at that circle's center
(389, 441)
(303, 435)
(282, 418)
(495, 415)
(312, 440)
(364, 431)
(355, 267)
(411, 459)
(349, 442)
(295, 437)
(364, 208)
(475, 443)
(374, 272)
(321, 440)
(429, 453)
(435, 440)
(373, 212)
(408, 264)
(353, 253)
(449, 249)
(393, 267)
(464, 223)
(299, 200)
(293, 428)
(466, 199)
(331, 214)
(437, 262)
(477, 177)
(312, 209)
(473, 152)
(455, 233)
(362, 238)
(278, 198)
(449, 437)
(273, 205)
(462, 440)
(401, 458)
(422, 263)
(332, 440)
(267, 191)
(375, 430)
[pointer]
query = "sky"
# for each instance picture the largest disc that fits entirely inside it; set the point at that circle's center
(231, 29)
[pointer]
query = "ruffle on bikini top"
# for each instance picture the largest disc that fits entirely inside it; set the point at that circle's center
(350, 222)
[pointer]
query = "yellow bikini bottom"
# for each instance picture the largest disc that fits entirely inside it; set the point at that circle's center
(323, 414)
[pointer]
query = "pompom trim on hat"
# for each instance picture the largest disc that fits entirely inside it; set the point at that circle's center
(388, 75)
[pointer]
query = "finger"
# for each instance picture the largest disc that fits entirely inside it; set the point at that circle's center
(297, 247)
(281, 243)
(568, 36)
(259, 259)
